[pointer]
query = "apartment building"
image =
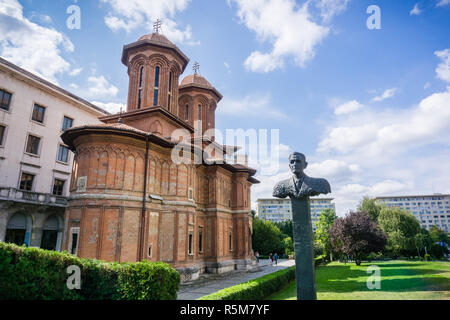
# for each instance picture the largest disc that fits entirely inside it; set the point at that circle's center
(35, 165)
(278, 210)
(430, 210)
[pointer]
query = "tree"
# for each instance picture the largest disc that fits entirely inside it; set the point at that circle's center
(371, 207)
(288, 245)
(437, 236)
(402, 230)
(356, 235)
(267, 237)
(286, 228)
(326, 220)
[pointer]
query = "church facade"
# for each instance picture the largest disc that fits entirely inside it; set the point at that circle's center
(130, 201)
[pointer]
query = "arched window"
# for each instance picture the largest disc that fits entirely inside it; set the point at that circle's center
(141, 81)
(186, 113)
(199, 112)
(156, 87)
(170, 91)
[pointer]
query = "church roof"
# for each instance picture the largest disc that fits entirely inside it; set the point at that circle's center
(198, 81)
(195, 79)
(155, 39)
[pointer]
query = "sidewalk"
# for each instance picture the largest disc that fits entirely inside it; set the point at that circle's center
(213, 283)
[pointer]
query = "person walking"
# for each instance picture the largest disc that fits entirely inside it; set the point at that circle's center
(275, 256)
(257, 256)
(271, 258)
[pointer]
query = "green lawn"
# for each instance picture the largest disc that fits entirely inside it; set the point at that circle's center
(400, 280)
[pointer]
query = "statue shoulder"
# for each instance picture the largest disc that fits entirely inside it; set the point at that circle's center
(280, 189)
(319, 184)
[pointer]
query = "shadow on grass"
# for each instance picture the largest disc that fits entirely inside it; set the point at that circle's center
(394, 278)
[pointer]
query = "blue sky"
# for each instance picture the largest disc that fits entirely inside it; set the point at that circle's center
(369, 108)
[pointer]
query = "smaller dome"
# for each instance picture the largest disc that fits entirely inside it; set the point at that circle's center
(156, 37)
(195, 79)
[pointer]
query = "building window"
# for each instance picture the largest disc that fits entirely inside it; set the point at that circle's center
(38, 113)
(26, 181)
(2, 134)
(186, 113)
(141, 81)
(73, 240)
(33, 144)
(200, 241)
(63, 154)
(199, 112)
(190, 244)
(156, 87)
(67, 123)
(170, 91)
(190, 194)
(230, 241)
(58, 187)
(5, 100)
(150, 251)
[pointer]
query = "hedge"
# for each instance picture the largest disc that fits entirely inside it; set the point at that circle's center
(37, 274)
(259, 288)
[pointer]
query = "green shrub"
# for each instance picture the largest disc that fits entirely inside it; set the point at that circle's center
(256, 289)
(260, 288)
(427, 257)
(36, 274)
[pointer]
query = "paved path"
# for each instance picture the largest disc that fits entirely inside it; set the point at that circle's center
(208, 284)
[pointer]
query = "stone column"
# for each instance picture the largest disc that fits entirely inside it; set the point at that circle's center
(304, 249)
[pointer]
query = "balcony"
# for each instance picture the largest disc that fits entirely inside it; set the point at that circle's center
(13, 194)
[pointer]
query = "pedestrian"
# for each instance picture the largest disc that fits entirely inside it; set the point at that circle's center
(275, 256)
(257, 256)
(271, 258)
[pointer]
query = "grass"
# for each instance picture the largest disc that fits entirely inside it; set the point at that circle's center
(400, 280)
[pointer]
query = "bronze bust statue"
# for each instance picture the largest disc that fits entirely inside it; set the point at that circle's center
(299, 188)
(300, 185)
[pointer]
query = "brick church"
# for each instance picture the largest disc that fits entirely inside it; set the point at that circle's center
(129, 201)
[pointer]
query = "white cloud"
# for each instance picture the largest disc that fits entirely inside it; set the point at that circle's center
(100, 87)
(415, 11)
(334, 170)
(111, 107)
(31, 46)
(442, 3)
(75, 72)
(132, 14)
(443, 69)
(389, 93)
(390, 131)
(348, 107)
(252, 105)
(331, 8)
(285, 25)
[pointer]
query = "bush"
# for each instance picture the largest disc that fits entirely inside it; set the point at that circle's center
(374, 256)
(427, 257)
(37, 274)
(260, 288)
(256, 289)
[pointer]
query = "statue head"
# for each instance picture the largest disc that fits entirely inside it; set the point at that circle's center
(297, 163)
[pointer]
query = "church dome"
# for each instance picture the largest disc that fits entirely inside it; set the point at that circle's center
(156, 37)
(195, 79)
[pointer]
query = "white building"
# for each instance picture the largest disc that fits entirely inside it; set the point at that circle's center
(35, 167)
(428, 209)
(278, 210)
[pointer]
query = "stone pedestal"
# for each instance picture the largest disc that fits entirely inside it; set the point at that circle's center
(304, 250)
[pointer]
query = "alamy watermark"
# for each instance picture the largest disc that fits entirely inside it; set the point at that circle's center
(214, 147)
(374, 280)
(74, 279)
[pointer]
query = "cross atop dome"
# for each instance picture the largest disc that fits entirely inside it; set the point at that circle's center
(196, 67)
(157, 26)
